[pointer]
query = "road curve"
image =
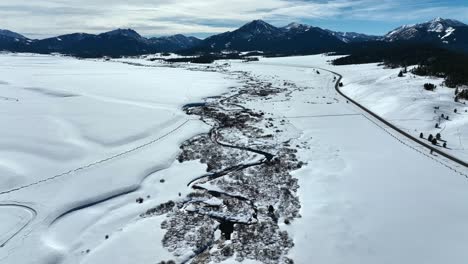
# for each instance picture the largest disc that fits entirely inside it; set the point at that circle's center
(407, 135)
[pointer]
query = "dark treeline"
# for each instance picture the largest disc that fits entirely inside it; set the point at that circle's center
(207, 58)
(431, 60)
(212, 57)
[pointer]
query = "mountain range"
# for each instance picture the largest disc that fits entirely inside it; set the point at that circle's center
(255, 36)
(116, 43)
(261, 36)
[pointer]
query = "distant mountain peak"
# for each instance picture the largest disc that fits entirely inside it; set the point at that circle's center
(447, 22)
(350, 37)
(439, 31)
(258, 22)
(258, 26)
(440, 24)
(11, 34)
(175, 42)
(123, 32)
(437, 24)
(292, 25)
(296, 26)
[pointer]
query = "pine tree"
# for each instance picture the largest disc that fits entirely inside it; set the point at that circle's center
(430, 86)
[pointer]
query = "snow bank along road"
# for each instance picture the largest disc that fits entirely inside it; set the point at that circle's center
(434, 149)
(366, 197)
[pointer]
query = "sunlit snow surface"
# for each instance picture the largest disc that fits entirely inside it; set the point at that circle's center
(78, 133)
(367, 194)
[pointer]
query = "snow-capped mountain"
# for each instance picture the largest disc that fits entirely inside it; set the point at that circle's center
(296, 27)
(259, 35)
(353, 37)
(346, 37)
(447, 32)
(258, 28)
(437, 28)
(254, 34)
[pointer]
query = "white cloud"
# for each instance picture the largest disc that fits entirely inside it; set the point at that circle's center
(41, 18)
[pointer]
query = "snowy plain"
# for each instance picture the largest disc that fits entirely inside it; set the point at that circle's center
(78, 133)
(367, 194)
(402, 101)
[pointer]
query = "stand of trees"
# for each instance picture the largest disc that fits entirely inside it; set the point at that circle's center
(430, 86)
(431, 60)
(463, 94)
(208, 58)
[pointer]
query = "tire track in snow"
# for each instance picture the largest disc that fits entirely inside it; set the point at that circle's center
(27, 208)
(70, 172)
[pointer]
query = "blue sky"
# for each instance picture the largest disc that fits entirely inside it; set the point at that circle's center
(384, 16)
(44, 18)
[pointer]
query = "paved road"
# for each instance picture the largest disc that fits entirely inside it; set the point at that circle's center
(403, 133)
(407, 135)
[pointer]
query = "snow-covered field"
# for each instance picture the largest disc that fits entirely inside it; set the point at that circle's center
(367, 197)
(402, 100)
(77, 133)
(83, 140)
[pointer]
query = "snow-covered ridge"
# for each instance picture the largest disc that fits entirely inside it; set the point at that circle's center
(427, 29)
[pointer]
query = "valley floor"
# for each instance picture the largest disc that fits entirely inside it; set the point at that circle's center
(100, 164)
(403, 101)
